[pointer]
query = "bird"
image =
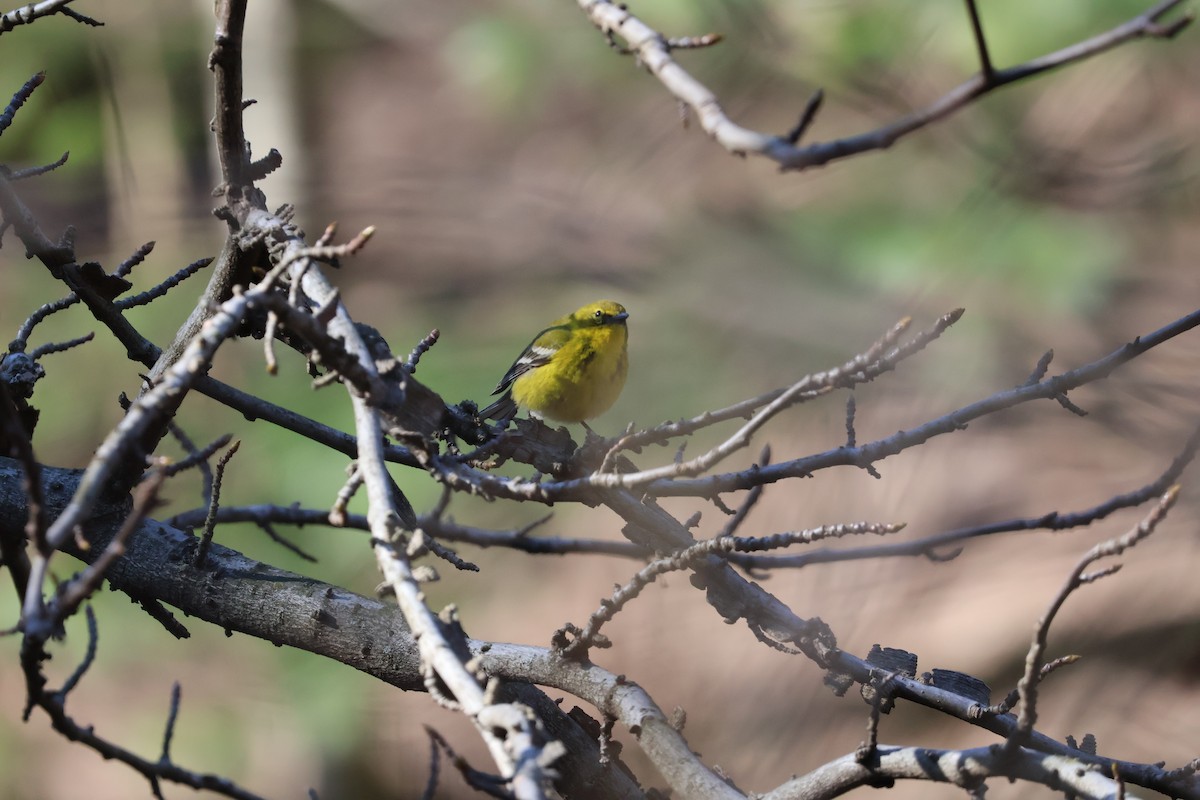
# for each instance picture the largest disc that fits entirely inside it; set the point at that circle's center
(571, 371)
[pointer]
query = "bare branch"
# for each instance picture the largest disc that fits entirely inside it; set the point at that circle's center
(864, 367)
(169, 728)
(197, 457)
(929, 546)
(687, 559)
(19, 343)
(423, 346)
(619, 698)
(128, 265)
(60, 347)
(653, 52)
(872, 452)
(32, 172)
(226, 65)
(89, 657)
(23, 94)
(985, 60)
(354, 481)
(150, 410)
(28, 13)
(518, 753)
(965, 768)
(164, 287)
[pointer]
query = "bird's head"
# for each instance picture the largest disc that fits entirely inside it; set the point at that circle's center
(602, 312)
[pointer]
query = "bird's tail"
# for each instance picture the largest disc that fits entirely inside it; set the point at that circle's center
(503, 409)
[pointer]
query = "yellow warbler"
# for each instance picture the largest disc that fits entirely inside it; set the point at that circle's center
(571, 371)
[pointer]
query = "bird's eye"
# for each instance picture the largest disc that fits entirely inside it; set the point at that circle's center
(599, 315)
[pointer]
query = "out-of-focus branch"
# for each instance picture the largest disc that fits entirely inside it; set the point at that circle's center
(19, 99)
(653, 50)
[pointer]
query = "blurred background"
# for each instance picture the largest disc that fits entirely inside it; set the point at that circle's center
(516, 167)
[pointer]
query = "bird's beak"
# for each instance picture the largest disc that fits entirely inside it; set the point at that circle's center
(624, 315)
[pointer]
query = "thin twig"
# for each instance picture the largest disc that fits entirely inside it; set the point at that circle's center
(211, 522)
(127, 266)
(169, 728)
(1028, 685)
(60, 347)
(354, 480)
(53, 703)
(89, 657)
(274, 536)
(985, 60)
(428, 341)
(19, 343)
(161, 289)
(23, 94)
(33, 172)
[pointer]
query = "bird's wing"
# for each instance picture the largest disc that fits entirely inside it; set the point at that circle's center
(538, 353)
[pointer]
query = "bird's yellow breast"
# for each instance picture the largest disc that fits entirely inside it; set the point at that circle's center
(582, 380)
